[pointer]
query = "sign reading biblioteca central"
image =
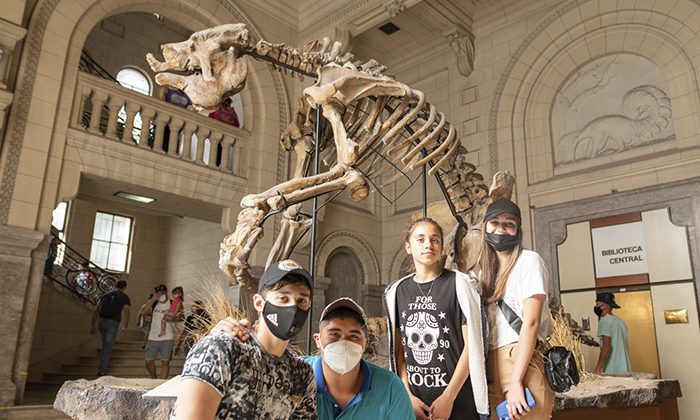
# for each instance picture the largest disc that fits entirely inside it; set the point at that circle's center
(619, 250)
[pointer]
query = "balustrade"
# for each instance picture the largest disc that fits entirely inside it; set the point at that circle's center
(107, 109)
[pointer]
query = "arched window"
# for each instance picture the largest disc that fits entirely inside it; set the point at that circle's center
(134, 79)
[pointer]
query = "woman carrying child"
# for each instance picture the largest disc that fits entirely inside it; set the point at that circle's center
(519, 278)
(436, 332)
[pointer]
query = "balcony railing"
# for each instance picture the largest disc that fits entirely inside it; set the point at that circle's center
(106, 109)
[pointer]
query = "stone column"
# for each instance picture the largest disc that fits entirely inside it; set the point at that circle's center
(16, 246)
(372, 299)
(29, 316)
(10, 35)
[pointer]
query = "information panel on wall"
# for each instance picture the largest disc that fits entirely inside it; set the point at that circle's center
(619, 250)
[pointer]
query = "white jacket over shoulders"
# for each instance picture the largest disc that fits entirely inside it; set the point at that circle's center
(467, 289)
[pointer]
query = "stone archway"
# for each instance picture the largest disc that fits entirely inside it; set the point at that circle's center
(401, 264)
(344, 270)
(360, 247)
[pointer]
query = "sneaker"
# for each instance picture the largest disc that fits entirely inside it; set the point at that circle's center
(100, 374)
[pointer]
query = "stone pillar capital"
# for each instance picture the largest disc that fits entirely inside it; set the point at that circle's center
(394, 7)
(461, 41)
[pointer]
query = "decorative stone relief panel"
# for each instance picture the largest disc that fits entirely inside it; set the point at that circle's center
(612, 104)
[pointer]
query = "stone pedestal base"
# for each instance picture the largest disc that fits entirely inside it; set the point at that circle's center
(599, 398)
(111, 398)
(666, 410)
(610, 397)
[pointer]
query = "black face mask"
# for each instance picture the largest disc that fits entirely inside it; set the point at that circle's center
(598, 311)
(284, 321)
(502, 242)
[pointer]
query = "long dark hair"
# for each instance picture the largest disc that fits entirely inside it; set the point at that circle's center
(494, 278)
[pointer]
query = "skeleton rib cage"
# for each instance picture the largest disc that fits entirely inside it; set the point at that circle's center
(381, 129)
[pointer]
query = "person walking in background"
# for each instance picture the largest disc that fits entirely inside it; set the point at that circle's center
(158, 345)
(435, 331)
(112, 309)
(514, 286)
(614, 353)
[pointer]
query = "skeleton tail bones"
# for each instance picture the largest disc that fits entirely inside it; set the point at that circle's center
(373, 118)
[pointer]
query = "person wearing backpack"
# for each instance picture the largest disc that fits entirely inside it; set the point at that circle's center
(112, 309)
(514, 280)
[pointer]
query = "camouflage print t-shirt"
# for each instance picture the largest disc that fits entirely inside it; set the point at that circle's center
(252, 383)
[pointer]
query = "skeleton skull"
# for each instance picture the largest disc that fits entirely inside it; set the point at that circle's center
(422, 332)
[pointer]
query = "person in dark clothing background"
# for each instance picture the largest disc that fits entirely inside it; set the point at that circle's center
(112, 309)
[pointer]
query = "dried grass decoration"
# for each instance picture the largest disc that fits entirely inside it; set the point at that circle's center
(563, 335)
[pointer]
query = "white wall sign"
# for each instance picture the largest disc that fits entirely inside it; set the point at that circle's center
(619, 250)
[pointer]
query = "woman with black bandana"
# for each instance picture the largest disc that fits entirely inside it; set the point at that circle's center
(515, 277)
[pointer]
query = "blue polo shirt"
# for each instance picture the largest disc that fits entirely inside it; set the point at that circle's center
(381, 396)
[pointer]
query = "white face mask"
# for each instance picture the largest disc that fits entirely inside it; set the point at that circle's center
(342, 356)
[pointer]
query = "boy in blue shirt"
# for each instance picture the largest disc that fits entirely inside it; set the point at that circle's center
(348, 387)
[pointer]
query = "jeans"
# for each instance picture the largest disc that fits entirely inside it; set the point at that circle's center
(108, 331)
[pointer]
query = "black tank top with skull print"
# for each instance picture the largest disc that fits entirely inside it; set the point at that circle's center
(430, 322)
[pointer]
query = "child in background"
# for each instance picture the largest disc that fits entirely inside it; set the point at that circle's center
(174, 313)
(436, 341)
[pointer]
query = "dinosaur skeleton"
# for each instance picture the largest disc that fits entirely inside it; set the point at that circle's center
(377, 124)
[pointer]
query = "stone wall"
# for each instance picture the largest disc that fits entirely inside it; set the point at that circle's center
(124, 39)
(191, 254)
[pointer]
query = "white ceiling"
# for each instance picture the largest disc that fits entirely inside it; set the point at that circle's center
(422, 30)
(166, 204)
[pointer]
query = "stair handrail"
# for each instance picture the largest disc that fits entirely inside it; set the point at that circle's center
(83, 279)
(89, 65)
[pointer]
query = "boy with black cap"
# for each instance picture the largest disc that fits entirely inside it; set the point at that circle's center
(614, 354)
(226, 378)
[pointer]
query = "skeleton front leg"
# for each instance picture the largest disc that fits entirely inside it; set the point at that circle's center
(293, 226)
(236, 247)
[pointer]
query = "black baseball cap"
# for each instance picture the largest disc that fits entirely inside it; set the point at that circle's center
(345, 302)
(607, 298)
(281, 269)
(161, 288)
(500, 206)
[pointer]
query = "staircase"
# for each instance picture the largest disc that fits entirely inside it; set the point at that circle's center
(127, 362)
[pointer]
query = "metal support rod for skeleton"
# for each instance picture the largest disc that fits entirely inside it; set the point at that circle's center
(424, 176)
(314, 206)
